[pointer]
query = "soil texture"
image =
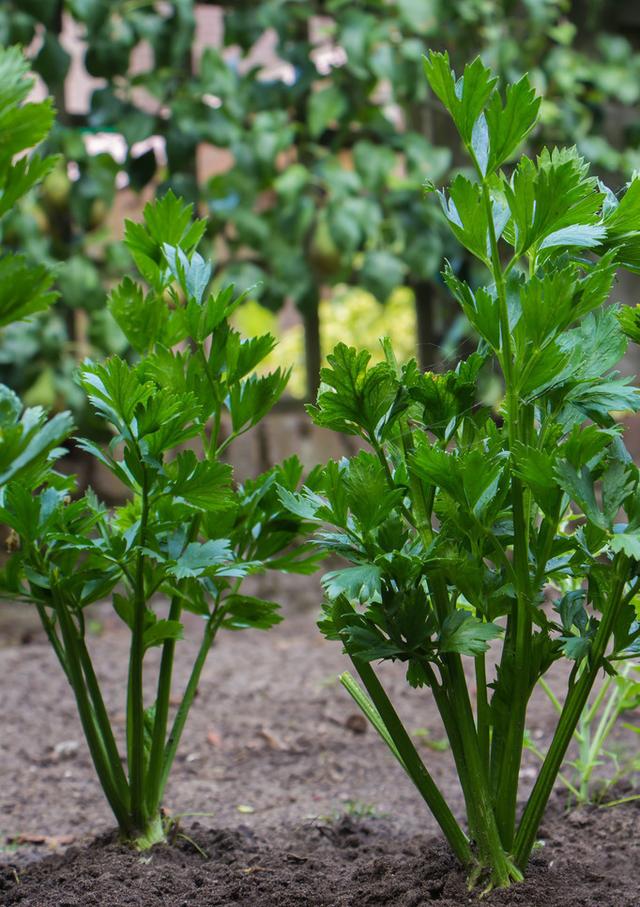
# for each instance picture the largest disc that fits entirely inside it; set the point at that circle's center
(589, 861)
(283, 795)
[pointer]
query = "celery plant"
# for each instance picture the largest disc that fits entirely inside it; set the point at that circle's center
(598, 765)
(187, 535)
(27, 440)
(453, 519)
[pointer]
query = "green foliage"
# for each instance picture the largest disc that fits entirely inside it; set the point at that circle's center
(459, 522)
(600, 761)
(328, 151)
(187, 536)
(27, 440)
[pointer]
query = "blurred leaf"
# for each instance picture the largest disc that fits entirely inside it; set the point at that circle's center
(325, 106)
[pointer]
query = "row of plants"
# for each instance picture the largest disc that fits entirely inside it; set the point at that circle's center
(330, 142)
(458, 522)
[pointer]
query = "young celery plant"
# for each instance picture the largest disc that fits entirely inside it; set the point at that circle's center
(187, 536)
(27, 440)
(453, 520)
(617, 694)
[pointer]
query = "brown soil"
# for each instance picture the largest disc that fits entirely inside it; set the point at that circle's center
(589, 863)
(302, 803)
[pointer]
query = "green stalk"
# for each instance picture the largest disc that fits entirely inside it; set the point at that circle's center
(370, 712)
(531, 746)
(555, 702)
(163, 696)
(477, 797)
(483, 719)
(177, 728)
(508, 742)
(135, 699)
(413, 764)
(451, 729)
(574, 705)
(87, 717)
(103, 722)
(605, 725)
(490, 845)
(509, 745)
(597, 702)
(53, 639)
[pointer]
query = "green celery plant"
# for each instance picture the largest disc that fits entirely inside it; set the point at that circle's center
(27, 440)
(453, 520)
(187, 536)
(599, 765)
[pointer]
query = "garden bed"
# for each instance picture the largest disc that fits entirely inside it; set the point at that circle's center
(303, 803)
(347, 862)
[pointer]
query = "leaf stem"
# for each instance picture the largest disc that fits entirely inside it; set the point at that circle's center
(135, 699)
(508, 741)
(163, 696)
(413, 764)
(177, 728)
(575, 702)
(483, 719)
(87, 717)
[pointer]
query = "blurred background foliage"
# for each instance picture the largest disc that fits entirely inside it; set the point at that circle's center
(305, 132)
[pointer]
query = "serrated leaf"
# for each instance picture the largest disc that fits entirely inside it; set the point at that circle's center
(618, 483)
(579, 486)
(536, 469)
(250, 400)
(246, 611)
(481, 308)
(204, 484)
(550, 195)
(465, 210)
(21, 176)
(200, 557)
(243, 355)
(353, 398)
(464, 98)
(509, 125)
(368, 493)
(629, 318)
(576, 647)
(144, 320)
(584, 236)
(463, 633)
(114, 389)
(162, 630)
(628, 542)
(33, 441)
(192, 273)
(481, 477)
(25, 288)
(359, 585)
(436, 467)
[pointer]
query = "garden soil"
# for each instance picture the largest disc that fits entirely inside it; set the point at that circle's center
(281, 794)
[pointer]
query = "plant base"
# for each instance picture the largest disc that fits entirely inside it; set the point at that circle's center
(152, 835)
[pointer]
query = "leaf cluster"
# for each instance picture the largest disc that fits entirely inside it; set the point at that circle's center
(290, 216)
(28, 442)
(462, 519)
(187, 535)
